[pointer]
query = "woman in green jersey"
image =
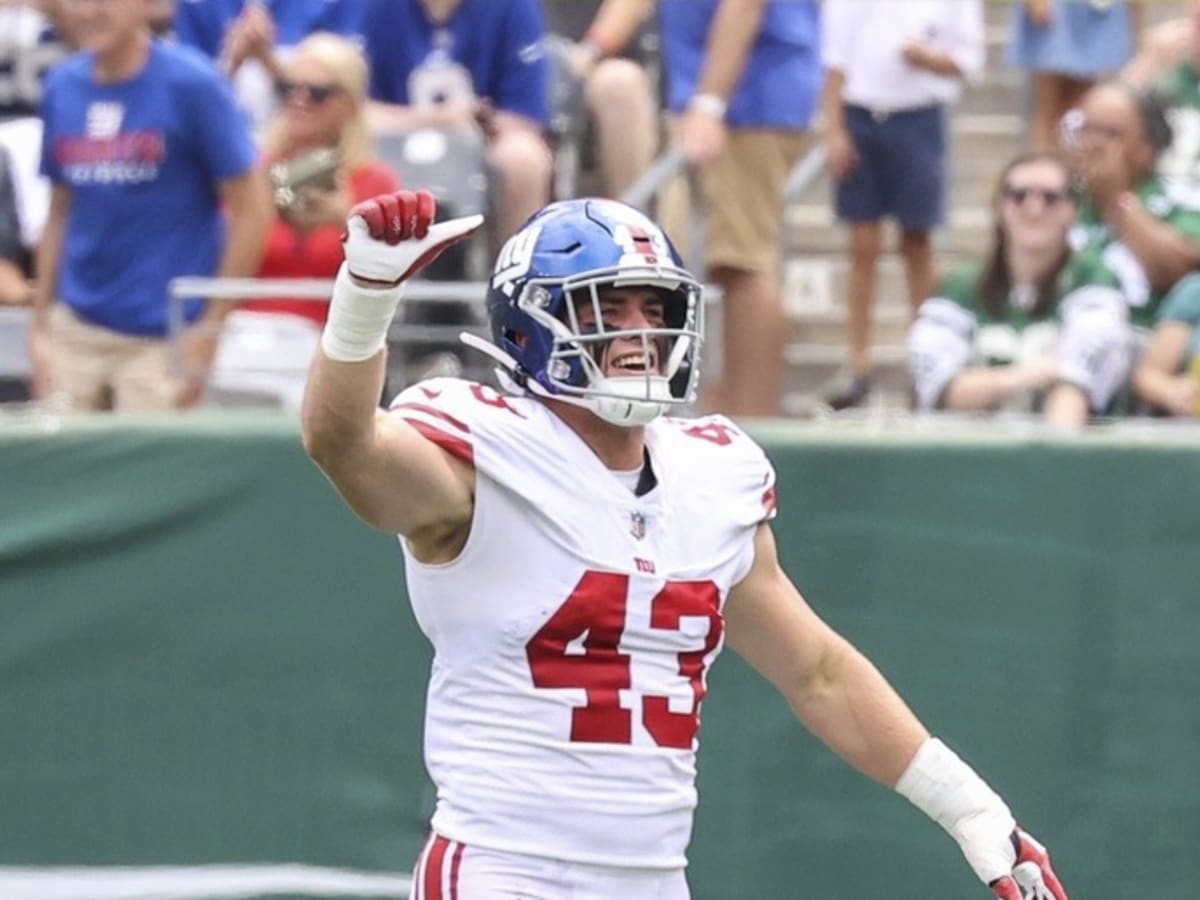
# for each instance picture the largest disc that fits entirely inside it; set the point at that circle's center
(1031, 326)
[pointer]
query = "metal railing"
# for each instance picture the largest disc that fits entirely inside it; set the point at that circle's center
(402, 334)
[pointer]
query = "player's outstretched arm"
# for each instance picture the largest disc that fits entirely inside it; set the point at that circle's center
(843, 699)
(391, 476)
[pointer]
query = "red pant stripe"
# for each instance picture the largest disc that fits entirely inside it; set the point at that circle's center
(433, 869)
(455, 862)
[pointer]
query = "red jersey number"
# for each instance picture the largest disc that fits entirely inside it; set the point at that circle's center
(713, 432)
(596, 608)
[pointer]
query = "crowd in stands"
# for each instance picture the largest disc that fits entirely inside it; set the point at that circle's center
(144, 140)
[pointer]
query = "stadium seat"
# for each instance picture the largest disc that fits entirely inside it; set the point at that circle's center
(453, 167)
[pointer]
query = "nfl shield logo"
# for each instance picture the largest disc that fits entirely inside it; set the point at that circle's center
(637, 525)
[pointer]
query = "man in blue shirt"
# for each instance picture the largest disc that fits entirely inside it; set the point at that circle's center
(463, 64)
(246, 36)
(743, 80)
(204, 24)
(143, 146)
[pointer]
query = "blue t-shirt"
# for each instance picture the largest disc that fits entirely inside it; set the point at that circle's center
(496, 44)
(143, 160)
(781, 84)
(202, 23)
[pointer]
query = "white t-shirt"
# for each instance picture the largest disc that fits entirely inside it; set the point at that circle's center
(865, 38)
(574, 633)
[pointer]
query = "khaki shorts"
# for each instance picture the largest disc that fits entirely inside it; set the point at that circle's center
(98, 369)
(743, 199)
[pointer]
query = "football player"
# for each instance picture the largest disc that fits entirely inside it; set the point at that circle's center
(578, 555)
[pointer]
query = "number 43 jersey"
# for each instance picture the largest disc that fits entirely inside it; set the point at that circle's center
(574, 633)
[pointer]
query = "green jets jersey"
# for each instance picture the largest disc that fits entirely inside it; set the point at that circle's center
(955, 331)
(1095, 242)
(1180, 163)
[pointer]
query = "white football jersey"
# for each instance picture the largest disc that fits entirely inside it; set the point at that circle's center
(574, 633)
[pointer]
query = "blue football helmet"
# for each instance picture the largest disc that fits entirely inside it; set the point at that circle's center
(561, 261)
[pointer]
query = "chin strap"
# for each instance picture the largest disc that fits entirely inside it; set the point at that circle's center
(487, 348)
(624, 411)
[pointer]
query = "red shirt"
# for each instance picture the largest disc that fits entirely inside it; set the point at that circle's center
(318, 253)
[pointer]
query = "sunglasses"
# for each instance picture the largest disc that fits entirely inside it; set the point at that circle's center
(311, 93)
(1049, 198)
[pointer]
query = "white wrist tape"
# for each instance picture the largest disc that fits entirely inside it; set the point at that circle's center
(358, 320)
(947, 790)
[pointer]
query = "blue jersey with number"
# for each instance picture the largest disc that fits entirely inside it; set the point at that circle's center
(143, 160)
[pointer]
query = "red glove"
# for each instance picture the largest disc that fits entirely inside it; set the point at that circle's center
(390, 238)
(1032, 877)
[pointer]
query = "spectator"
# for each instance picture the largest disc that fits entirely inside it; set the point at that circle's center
(466, 64)
(1146, 233)
(1066, 45)
(1170, 61)
(34, 42)
(142, 144)
(16, 290)
(38, 39)
(1167, 378)
(617, 88)
(248, 37)
(15, 263)
(742, 79)
(891, 71)
(1030, 327)
(323, 90)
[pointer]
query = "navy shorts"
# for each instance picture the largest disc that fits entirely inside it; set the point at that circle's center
(901, 169)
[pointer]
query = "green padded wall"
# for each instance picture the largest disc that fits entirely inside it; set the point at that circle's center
(205, 659)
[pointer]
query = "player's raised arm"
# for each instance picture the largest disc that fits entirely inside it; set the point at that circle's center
(387, 472)
(843, 699)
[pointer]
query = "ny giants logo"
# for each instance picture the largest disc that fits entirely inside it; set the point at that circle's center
(516, 256)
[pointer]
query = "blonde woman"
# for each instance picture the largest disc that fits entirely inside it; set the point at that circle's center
(321, 87)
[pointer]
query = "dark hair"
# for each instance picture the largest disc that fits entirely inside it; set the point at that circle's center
(1151, 107)
(995, 281)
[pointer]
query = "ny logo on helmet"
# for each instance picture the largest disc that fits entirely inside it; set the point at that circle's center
(515, 258)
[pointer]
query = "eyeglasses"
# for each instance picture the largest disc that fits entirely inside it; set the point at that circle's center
(1110, 133)
(312, 93)
(1049, 198)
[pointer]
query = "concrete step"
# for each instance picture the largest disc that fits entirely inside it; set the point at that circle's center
(812, 368)
(802, 355)
(815, 285)
(1000, 92)
(828, 329)
(812, 229)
